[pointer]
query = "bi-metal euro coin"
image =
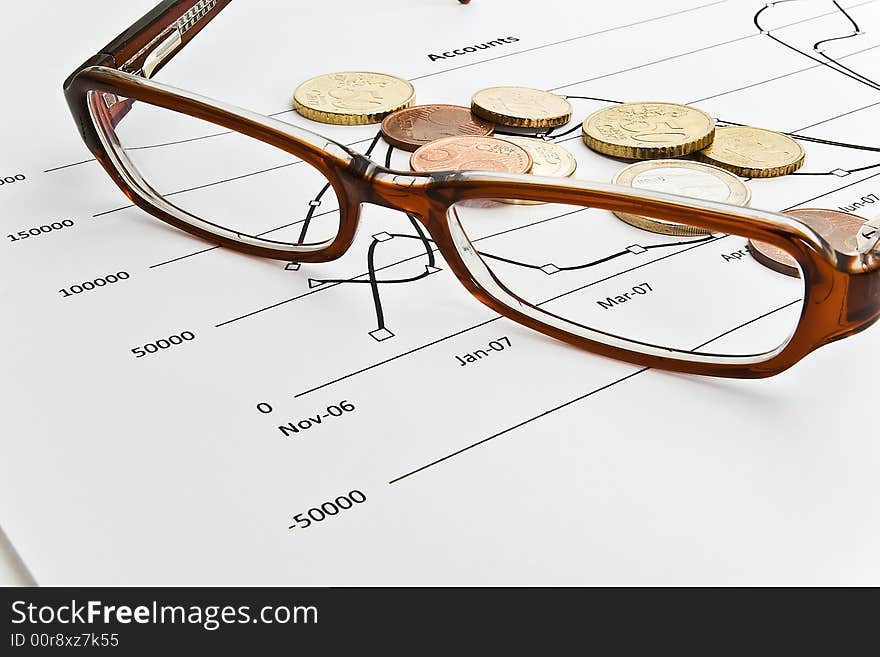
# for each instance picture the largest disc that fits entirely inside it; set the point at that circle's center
(352, 97)
(753, 152)
(684, 178)
(521, 107)
(648, 131)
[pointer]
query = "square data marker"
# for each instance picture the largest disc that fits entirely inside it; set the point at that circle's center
(550, 268)
(314, 203)
(840, 172)
(292, 266)
(381, 334)
(382, 237)
(635, 248)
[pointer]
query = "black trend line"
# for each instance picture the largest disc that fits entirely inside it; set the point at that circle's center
(374, 286)
(842, 70)
(393, 264)
(429, 252)
(601, 100)
(426, 241)
(518, 263)
(567, 132)
(600, 261)
(373, 143)
(828, 193)
(575, 400)
(314, 203)
(856, 32)
(494, 319)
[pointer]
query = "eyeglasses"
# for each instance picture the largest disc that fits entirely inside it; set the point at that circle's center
(546, 253)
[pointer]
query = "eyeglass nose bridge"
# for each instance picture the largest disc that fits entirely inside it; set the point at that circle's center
(398, 190)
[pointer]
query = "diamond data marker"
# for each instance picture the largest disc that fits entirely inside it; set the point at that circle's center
(550, 268)
(382, 237)
(381, 334)
(635, 248)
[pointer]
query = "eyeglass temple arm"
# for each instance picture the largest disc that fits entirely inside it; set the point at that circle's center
(156, 37)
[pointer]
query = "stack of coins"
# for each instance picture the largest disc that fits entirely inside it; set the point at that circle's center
(444, 137)
(463, 148)
(655, 131)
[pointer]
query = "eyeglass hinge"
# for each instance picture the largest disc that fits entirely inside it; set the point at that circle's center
(868, 238)
(171, 43)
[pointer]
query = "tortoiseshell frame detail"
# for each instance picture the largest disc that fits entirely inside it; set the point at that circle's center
(842, 291)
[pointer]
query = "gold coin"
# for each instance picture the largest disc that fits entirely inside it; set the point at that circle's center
(684, 178)
(753, 152)
(648, 131)
(548, 159)
(521, 107)
(352, 97)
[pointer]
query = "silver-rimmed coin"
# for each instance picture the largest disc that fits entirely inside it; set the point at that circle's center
(685, 178)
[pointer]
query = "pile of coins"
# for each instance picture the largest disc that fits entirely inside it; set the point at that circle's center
(678, 148)
(445, 137)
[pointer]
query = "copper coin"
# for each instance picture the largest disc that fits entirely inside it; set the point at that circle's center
(840, 230)
(416, 126)
(480, 153)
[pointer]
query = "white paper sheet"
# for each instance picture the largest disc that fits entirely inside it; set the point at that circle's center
(542, 464)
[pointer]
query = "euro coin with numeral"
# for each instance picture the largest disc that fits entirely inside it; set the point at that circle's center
(648, 131)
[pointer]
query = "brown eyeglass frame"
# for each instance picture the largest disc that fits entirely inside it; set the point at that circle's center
(842, 290)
